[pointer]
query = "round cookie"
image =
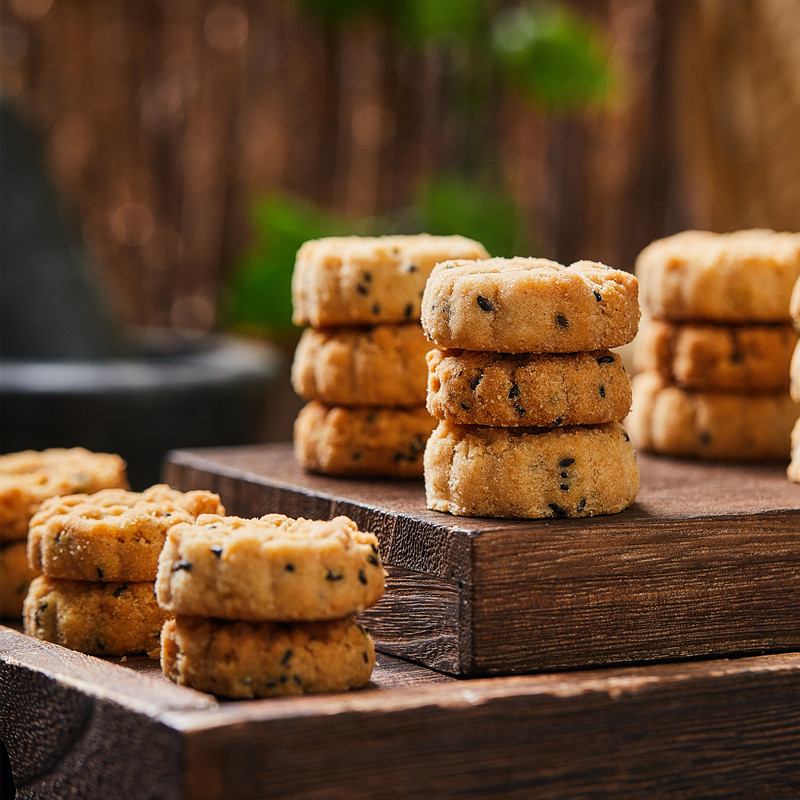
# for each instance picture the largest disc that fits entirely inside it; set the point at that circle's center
(735, 358)
(112, 535)
(367, 442)
(576, 471)
(380, 366)
(501, 389)
(793, 470)
(105, 619)
(367, 280)
(273, 568)
(529, 305)
(741, 277)
(266, 659)
(710, 425)
(15, 578)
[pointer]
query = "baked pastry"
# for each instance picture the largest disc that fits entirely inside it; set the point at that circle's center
(15, 577)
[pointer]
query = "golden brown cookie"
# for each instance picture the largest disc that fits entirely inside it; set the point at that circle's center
(793, 470)
(794, 305)
(15, 578)
(794, 374)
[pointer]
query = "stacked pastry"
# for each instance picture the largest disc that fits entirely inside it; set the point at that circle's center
(793, 470)
(361, 363)
(27, 479)
(98, 555)
(266, 607)
(714, 353)
(528, 396)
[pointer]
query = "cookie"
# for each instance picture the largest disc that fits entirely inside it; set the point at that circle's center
(514, 390)
(367, 442)
(15, 577)
(112, 535)
(529, 305)
(735, 358)
(575, 471)
(266, 659)
(379, 366)
(673, 421)
(794, 374)
(29, 477)
(793, 470)
(105, 619)
(368, 280)
(272, 568)
(741, 277)
(794, 305)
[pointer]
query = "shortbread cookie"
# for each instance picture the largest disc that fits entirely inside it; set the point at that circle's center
(741, 277)
(793, 471)
(336, 440)
(112, 535)
(366, 280)
(105, 619)
(472, 388)
(266, 659)
(272, 568)
(673, 421)
(576, 471)
(380, 366)
(31, 476)
(15, 578)
(529, 305)
(735, 358)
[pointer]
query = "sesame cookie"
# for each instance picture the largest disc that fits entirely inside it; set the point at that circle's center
(266, 659)
(112, 535)
(336, 440)
(31, 476)
(576, 471)
(105, 619)
(741, 277)
(736, 358)
(529, 305)
(272, 568)
(527, 389)
(15, 577)
(673, 421)
(793, 470)
(367, 280)
(380, 366)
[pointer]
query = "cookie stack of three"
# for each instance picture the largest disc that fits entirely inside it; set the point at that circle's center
(361, 363)
(793, 470)
(713, 357)
(529, 397)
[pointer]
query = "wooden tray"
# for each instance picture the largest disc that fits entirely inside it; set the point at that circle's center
(707, 562)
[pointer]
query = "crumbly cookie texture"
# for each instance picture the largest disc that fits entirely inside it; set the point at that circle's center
(741, 277)
(105, 619)
(793, 470)
(272, 568)
(366, 280)
(673, 421)
(529, 305)
(366, 442)
(735, 358)
(472, 388)
(379, 366)
(112, 535)
(576, 471)
(29, 477)
(15, 578)
(266, 659)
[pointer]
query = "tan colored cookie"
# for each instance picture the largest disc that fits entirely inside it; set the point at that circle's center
(794, 305)
(15, 578)
(741, 277)
(793, 470)
(272, 568)
(380, 366)
(31, 476)
(576, 471)
(266, 659)
(710, 425)
(335, 440)
(529, 305)
(367, 280)
(794, 374)
(735, 358)
(105, 619)
(112, 535)
(515, 390)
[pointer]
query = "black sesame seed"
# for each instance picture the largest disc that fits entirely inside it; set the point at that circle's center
(362, 577)
(374, 549)
(120, 589)
(565, 475)
(411, 268)
(376, 308)
(514, 392)
(365, 657)
(557, 510)
(371, 417)
(598, 296)
(602, 390)
(371, 559)
(216, 549)
(42, 606)
(100, 645)
(283, 678)
(627, 438)
(333, 576)
(367, 276)
(558, 420)
(705, 437)
(58, 536)
(582, 504)
(520, 411)
(100, 573)
(465, 406)
(473, 384)
(183, 565)
(288, 567)
(563, 487)
(357, 455)
(408, 311)
(484, 304)
(286, 656)
(562, 321)
(566, 462)
(361, 289)
(605, 360)
(271, 684)
(297, 679)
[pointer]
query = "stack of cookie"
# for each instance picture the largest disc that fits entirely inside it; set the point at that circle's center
(265, 607)
(528, 395)
(361, 363)
(27, 479)
(98, 555)
(793, 470)
(714, 353)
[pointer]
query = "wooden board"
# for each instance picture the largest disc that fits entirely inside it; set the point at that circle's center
(707, 562)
